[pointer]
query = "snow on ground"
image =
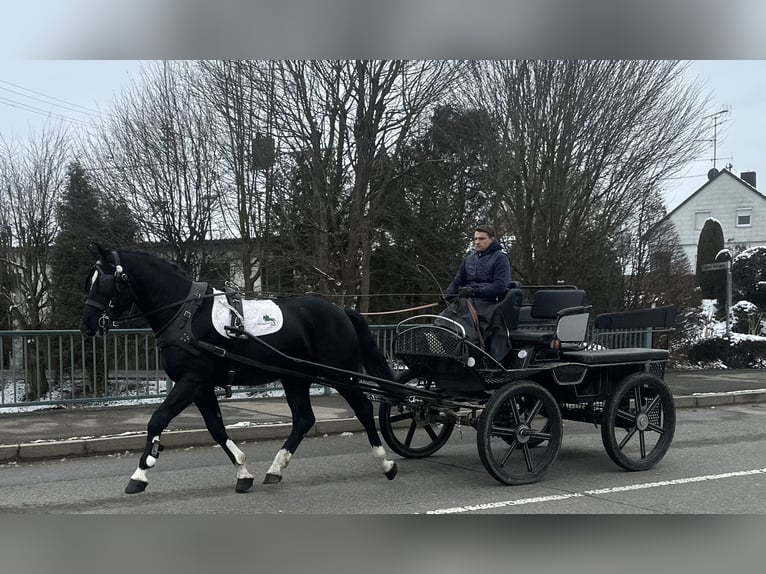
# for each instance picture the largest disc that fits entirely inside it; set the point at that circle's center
(12, 392)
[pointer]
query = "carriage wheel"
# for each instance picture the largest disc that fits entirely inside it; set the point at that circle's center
(639, 422)
(415, 430)
(519, 433)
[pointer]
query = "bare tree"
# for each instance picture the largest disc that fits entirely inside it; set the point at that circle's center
(340, 121)
(157, 152)
(32, 176)
(583, 143)
(241, 92)
(31, 182)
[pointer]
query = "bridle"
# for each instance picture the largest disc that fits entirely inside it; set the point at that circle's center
(111, 283)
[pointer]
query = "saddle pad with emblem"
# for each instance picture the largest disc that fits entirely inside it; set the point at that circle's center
(261, 316)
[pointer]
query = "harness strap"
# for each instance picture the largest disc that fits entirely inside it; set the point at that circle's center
(237, 314)
(178, 331)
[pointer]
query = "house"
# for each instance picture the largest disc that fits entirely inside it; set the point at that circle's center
(734, 201)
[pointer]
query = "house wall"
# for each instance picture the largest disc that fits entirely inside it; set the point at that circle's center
(723, 199)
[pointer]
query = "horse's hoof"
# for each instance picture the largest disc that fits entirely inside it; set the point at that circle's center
(243, 484)
(272, 478)
(135, 486)
(392, 473)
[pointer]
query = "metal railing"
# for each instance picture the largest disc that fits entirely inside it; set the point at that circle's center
(58, 367)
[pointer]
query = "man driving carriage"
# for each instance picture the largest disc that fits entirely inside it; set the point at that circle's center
(485, 273)
(482, 280)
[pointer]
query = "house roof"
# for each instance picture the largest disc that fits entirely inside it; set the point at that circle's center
(709, 181)
(688, 199)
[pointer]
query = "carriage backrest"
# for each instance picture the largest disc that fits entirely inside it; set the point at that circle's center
(548, 302)
(657, 317)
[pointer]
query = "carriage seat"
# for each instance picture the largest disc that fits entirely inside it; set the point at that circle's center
(548, 306)
(615, 356)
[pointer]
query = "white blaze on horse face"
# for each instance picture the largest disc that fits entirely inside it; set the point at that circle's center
(280, 462)
(380, 453)
(93, 279)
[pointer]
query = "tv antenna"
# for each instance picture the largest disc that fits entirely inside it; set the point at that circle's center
(716, 121)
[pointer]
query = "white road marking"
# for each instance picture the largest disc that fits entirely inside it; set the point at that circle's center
(626, 488)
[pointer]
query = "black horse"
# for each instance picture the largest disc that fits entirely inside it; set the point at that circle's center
(197, 355)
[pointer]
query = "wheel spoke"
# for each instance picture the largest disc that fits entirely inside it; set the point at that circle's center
(642, 442)
(528, 457)
(659, 430)
(515, 411)
(410, 433)
(630, 417)
(628, 436)
(651, 406)
(509, 452)
(431, 433)
(503, 431)
(637, 396)
(540, 435)
(534, 412)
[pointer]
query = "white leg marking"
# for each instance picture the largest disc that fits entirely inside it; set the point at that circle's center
(239, 456)
(140, 474)
(280, 462)
(380, 453)
(242, 472)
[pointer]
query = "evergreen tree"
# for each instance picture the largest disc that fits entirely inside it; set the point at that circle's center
(85, 216)
(748, 273)
(712, 283)
(440, 192)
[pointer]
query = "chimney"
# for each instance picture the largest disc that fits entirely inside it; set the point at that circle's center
(748, 177)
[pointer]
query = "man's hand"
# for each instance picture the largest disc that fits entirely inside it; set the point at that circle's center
(465, 292)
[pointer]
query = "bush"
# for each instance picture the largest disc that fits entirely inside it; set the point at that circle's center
(747, 270)
(734, 354)
(746, 318)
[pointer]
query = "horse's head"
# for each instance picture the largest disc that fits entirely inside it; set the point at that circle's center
(109, 293)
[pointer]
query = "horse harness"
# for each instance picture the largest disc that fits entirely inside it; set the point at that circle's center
(178, 331)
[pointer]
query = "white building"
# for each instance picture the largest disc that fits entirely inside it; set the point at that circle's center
(734, 201)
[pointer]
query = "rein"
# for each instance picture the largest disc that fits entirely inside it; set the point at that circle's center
(170, 306)
(402, 310)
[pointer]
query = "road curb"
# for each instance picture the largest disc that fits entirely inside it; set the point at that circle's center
(78, 447)
(699, 400)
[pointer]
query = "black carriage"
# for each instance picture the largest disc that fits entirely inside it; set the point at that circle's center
(517, 403)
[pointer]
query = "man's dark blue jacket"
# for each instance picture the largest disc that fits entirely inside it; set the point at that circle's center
(487, 272)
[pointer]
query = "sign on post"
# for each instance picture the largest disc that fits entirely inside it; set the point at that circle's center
(715, 267)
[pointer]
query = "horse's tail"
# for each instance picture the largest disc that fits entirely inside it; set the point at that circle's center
(373, 359)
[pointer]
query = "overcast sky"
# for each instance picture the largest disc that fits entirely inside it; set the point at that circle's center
(33, 92)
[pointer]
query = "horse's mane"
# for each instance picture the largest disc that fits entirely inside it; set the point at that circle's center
(172, 266)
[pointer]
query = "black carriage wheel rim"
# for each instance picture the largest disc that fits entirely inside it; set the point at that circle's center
(428, 429)
(643, 410)
(519, 415)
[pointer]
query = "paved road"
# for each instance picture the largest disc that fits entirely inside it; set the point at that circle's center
(97, 430)
(716, 465)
